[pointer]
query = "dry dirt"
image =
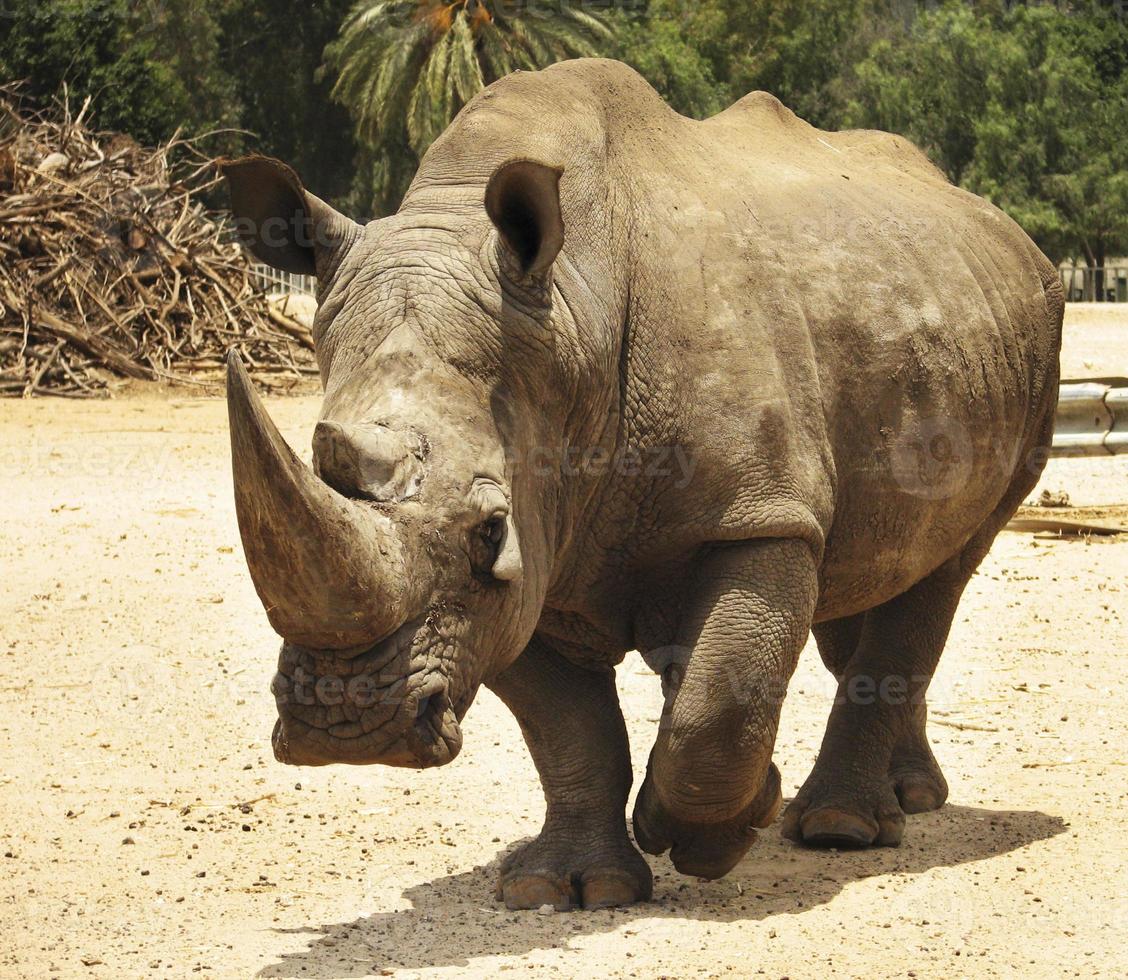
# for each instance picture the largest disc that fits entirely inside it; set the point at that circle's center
(147, 831)
(1095, 341)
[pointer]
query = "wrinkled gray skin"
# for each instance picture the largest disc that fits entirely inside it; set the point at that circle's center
(613, 379)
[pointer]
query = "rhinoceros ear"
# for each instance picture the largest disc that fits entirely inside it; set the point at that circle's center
(281, 222)
(523, 202)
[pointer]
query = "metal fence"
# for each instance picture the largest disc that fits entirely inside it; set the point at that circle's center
(273, 281)
(1084, 285)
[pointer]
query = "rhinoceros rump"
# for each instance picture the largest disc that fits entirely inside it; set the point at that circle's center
(853, 364)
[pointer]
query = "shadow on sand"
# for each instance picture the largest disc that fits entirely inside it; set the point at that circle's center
(455, 919)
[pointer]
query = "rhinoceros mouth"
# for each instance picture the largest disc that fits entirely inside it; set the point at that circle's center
(388, 705)
(434, 739)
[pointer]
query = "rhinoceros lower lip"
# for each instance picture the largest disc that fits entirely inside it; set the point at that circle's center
(388, 704)
(433, 740)
(401, 721)
(436, 731)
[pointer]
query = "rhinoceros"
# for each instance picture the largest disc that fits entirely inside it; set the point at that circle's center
(612, 380)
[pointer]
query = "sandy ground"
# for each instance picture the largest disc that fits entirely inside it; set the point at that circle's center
(1094, 340)
(147, 831)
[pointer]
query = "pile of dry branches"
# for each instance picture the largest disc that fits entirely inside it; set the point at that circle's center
(111, 266)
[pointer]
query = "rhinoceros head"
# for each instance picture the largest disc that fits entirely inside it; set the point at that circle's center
(411, 562)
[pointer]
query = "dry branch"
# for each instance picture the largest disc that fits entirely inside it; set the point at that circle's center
(112, 266)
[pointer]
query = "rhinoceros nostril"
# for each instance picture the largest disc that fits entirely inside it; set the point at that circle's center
(423, 707)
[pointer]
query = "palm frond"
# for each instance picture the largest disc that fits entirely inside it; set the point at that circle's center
(572, 41)
(404, 67)
(465, 71)
(496, 56)
(591, 24)
(533, 51)
(429, 110)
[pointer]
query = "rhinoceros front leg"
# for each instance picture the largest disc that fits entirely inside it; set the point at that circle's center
(572, 723)
(710, 781)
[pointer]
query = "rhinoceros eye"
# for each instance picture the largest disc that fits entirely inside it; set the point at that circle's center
(494, 529)
(485, 544)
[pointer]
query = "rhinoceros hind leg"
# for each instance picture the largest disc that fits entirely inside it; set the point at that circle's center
(572, 723)
(875, 764)
(916, 776)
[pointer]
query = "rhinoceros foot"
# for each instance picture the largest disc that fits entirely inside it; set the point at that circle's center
(917, 779)
(830, 814)
(701, 848)
(834, 810)
(568, 869)
(920, 790)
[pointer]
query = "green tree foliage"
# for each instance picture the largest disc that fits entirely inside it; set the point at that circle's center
(98, 48)
(673, 46)
(799, 50)
(928, 84)
(405, 67)
(272, 51)
(156, 66)
(184, 36)
(1027, 106)
(704, 56)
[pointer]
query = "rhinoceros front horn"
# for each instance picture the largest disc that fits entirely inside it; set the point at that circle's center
(330, 572)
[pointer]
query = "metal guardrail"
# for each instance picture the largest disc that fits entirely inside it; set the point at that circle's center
(1092, 418)
(271, 280)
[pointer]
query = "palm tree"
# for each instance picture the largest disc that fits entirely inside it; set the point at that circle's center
(405, 67)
